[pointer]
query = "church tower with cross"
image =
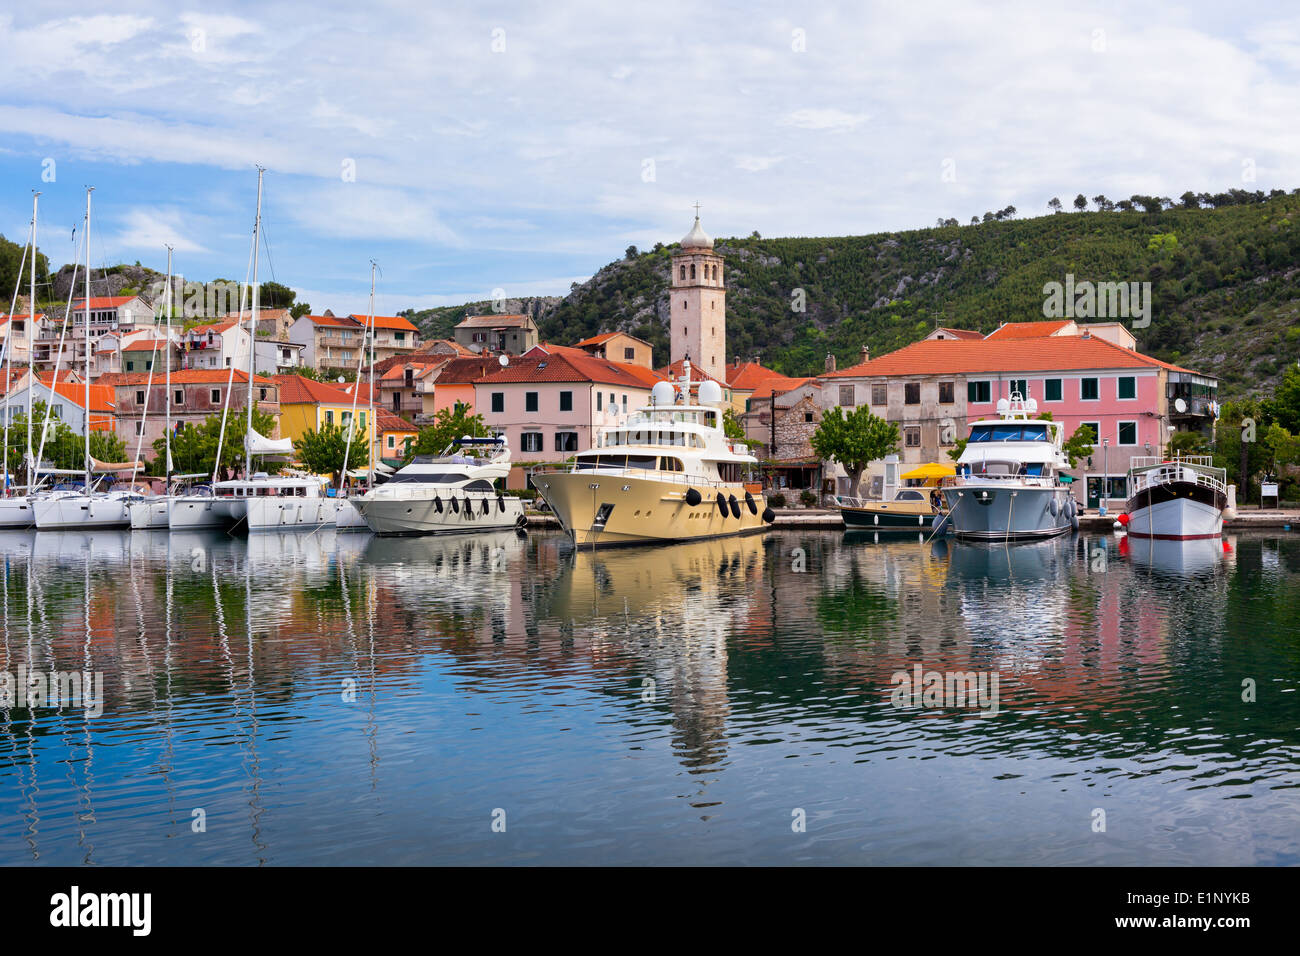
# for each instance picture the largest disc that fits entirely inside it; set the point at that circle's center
(698, 326)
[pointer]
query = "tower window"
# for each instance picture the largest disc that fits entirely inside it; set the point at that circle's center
(692, 270)
(683, 272)
(715, 273)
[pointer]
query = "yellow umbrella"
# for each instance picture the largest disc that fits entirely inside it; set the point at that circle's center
(930, 471)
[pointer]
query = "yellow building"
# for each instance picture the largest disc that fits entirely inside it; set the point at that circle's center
(307, 405)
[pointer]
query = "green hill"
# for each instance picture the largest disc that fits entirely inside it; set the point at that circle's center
(1223, 279)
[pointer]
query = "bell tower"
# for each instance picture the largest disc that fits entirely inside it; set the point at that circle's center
(698, 326)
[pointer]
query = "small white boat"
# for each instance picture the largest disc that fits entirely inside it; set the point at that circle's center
(17, 512)
(274, 503)
(449, 493)
(1178, 499)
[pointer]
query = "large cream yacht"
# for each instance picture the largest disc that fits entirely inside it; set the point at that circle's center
(668, 473)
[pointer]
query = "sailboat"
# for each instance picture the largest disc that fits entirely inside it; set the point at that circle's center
(259, 501)
(347, 517)
(16, 510)
(155, 512)
(87, 508)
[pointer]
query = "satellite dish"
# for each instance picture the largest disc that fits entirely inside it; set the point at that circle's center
(1180, 405)
(710, 392)
(1003, 406)
(342, 379)
(503, 360)
(662, 393)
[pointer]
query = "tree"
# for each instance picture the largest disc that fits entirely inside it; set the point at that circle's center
(194, 447)
(854, 440)
(1188, 443)
(734, 430)
(322, 451)
(1238, 443)
(955, 451)
(1054, 204)
(630, 253)
(11, 254)
(299, 309)
(448, 427)
(1080, 444)
(1124, 205)
(1081, 202)
(1103, 204)
(273, 295)
(1190, 200)
(1284, 407)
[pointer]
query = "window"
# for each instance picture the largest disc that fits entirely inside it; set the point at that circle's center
(530, 401)
(1128, 433)
(215, 395)
(683, 275)
(625, 404)
(566, 402)
(261, 394)
(912, 393)
(1088, 391)
(1018, 386)
(611, 402)
(846, 396)
(807, 416)
(227, 361)
(629, 354)
(329, 417)
(130, 366)
(1096, 431)
(399, 336)
(531, 441)
(139, 428)
(139, 396)
(599, 398)
(979, 393)
(946, 392)
(498, 402)
(178, 396)
(566, 441)
(912, 436)
(1127, 386)
(1052, 390)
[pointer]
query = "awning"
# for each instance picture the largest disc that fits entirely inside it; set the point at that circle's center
(930, 470)
(261, 445)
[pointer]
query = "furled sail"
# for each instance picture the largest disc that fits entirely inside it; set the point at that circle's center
(257, 444)
(97, 465)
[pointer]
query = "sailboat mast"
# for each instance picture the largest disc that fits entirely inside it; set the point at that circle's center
(167, 359)
(7, 351)
(252, 332)
(86, 311)
(371, 427)
(31, 354)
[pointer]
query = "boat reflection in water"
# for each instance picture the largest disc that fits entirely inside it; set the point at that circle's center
(1193, 558)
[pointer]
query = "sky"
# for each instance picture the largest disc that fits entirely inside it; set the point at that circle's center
(475, 147)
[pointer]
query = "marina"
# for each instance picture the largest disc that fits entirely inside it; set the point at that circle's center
(666, 704)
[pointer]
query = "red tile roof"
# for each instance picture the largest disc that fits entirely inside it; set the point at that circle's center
(145, 345)
(493, 321)
(1039, 354)
(386, 422)
(961, 333)
(213, 327)
(104, 302)
(464, 371)
(778, 386)
(566, 364)
(596, 339)
(5, 318)
(298, 390)
(334, 321)
(1028, 330)
(386, 322)
(675, 371)
(749, 375)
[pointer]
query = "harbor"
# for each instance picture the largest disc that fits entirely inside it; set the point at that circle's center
(673, 704)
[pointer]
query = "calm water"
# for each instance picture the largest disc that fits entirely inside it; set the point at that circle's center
(335, 699)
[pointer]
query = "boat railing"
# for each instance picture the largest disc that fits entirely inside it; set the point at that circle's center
(676, 477)
(1176, 471)
(1037, 481)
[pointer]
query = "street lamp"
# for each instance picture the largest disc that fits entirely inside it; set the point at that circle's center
(1105, 473)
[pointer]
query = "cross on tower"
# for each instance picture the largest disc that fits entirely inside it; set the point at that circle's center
(697, 210)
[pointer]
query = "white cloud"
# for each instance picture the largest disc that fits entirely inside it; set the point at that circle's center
(832, 119)
(756, 164)
(151, 229)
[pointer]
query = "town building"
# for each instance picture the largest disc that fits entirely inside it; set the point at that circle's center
(698, 297)
(17, 333)
(307, 405)
(453, 384)
(329, 343)
(619, 347)
(394, 336)
(66, 401)
(195, 395)
(512, 334)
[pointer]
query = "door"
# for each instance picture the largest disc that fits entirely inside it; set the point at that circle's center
(1095, 487)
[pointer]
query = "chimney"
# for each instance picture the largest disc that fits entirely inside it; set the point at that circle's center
(830, 361)
(864, 356)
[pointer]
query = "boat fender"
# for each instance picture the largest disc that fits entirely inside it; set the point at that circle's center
(455, 506)
(487, 506)
(520, 521)
(751, 504)
(735, 506)
(722, 504)
(469, 507)
(437, 504)
(1070, 511)
(1052, 507)
(1074, 523)
(693, 497)
(769, 515)
(501, 502)
(940, 523)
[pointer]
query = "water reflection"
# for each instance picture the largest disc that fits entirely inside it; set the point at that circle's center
(343, 698)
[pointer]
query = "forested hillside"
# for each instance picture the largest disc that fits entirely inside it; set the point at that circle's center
(1224, 285)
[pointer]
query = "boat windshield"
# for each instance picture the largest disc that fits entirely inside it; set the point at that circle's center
(427, 478)
(646, 462)
(1008, 432)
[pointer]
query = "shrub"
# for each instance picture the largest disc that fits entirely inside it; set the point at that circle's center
(777, 500)
(809, 498)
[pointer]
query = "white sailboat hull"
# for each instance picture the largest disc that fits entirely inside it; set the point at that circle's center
(273, 513)
(81, 511)
(196, 511)
(17, 513)
(149, 514)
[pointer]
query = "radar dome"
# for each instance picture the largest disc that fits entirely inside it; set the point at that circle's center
(1031, 406)
(1003, 406)
(662, 393)
(710, 393)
